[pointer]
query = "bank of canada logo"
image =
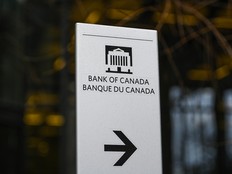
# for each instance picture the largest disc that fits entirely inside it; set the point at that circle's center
(118, 59)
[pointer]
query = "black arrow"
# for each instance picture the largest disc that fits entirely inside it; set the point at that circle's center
(128, 148)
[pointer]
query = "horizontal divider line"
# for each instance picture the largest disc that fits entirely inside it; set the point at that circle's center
(115, 37)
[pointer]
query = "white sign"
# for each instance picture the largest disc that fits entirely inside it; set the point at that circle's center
(118, 110)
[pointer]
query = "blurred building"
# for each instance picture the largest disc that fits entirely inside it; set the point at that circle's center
(37, 77)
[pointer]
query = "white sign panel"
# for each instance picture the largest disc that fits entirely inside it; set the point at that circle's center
(118, 112)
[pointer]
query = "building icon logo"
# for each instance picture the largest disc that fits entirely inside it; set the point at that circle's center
(118, 59)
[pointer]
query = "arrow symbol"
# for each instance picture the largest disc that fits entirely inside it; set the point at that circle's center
(128, 148)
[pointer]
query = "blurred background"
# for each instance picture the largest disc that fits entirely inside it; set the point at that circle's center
(37, 80)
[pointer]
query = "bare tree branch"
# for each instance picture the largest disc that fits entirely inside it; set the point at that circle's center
(168, 52)
(135, 14)
(223, 42)
(164, 15)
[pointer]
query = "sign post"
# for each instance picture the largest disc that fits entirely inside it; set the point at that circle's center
(118, 108)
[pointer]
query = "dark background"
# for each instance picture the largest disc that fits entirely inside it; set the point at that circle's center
(37, 80)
